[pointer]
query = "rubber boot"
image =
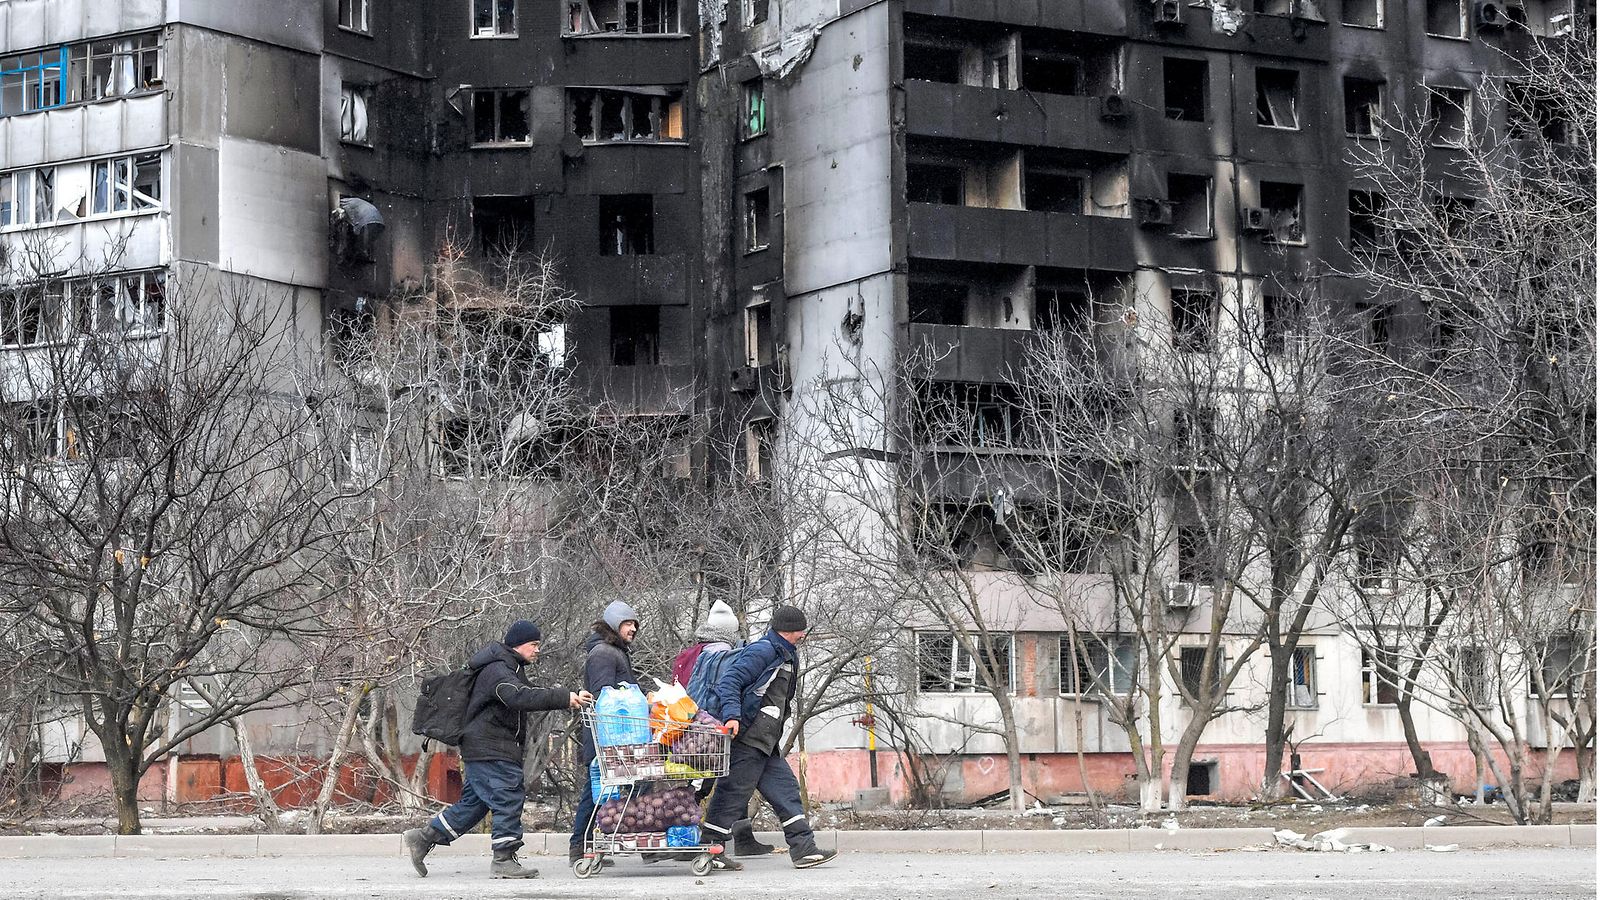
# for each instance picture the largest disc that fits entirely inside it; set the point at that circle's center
(505, 865)
(744, 840)
(419, 841)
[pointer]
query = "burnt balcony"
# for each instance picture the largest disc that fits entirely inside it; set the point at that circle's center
(1019, 237)
(1038, 119)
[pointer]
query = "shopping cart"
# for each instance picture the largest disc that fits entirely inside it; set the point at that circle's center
(635, 822)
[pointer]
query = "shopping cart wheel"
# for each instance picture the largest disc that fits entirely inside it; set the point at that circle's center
(701, 864)
(588, 866)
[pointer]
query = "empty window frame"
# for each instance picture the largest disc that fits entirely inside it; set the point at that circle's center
(33, 81)
(1277, 98)
(500, 116)
(622, 17)
(1052, 73)
(755, 12)
(1196, 562)
(503, 226)
(1561, 667)
(755, 108)
(1363, 106)
(760, 348)
(936, 302)
(1545, 18)
(1301, 685)
(931, 59)
(353, 100)
(757, 449)
(934, 183)
(494, 18)
(1534, 112)
(27, 197)
(1184, 84)
(1191, 199)
(1380, 678)
(603, 116)
(355, 15)
(32, 314)
(1377, 567)
(113, 68)
(1380, 328)
(125, 184)
(635, 335)
(945, 666)
(1194, 318)
(1368, 211)
(757, 220)
(1362, 13)
(1449, 116)
(1447, 18)
(1280, 321)
(1284, 203)
(1066, 309)
(1046, 189)
(1193, 431)
(627, 225)
(1105, 664)
(37, 430)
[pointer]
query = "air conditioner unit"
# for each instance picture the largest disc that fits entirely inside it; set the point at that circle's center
(1152, 213)
(1490, 16)
(1113, 106)
(1168, 12)
(1257, 219)
(1183, 595)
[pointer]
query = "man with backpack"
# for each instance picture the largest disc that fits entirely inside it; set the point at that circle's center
(753, 696)
(492, 748)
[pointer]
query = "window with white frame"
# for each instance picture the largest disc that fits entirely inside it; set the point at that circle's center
(755, 12)
(1563, 665)
(126, 184)
(353, 99)
(1302, 682)
(494, 18)
(31, 315)
(1377, 567)
(27, 196)
(945, 666)
(100, 70)
(355, 15)
(1104, 664)
(1380, 675)
(35, 430)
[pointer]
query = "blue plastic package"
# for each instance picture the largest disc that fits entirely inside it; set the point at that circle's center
(600, 794)
(683, 836)
(621, 717)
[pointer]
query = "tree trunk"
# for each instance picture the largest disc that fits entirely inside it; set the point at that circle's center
(1585, 758)
(124, 791)
(266, 805)
(1182, 757)
(1408, 724)
(330, 775)
(1277, 714)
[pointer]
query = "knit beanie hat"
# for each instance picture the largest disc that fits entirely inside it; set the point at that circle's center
(521, 632)
(617, 613)
(788, 618)
(721, 625)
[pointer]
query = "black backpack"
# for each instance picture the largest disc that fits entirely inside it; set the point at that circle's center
(441, 713)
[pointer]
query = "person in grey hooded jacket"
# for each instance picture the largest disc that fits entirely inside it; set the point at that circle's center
(607, 662)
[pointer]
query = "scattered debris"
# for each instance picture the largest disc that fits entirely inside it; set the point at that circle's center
(1328, 842)
(1435, 821)
(1443, 848)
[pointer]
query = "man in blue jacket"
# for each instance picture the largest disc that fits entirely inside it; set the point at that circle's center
(754, 696)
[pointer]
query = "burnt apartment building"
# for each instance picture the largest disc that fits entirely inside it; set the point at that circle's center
(751, 196)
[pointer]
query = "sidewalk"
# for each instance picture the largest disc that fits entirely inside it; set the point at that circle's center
(157, 846)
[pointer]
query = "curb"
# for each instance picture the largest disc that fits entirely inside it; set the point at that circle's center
(167, 846)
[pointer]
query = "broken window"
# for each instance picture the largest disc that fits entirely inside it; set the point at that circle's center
(1380, 328)
(1184, 83)
(1066, 309)
(1284, 214)
(503, 225)
(1277, 98)
(936, 302)
(944, 666)
(1447, 18)
(1190, 196)
(755, 108)
(1362, 13)
(930, 60)
(1560, 667)
(132, 305)
(755, 12)
(1363, 106)
(1194, 316)
(1275, 7)
(1052, 73)
(1545, 18)
(494, 18)
(1104, 665)
(1048, 190)
(353, 99)
(500, 116)
(1380, 677)
(627, 225)
(1193, 431)
(1532, 111)
(1302, 685)
(757, 220)
(1367, 212)
(27, 197)
(635, 114)
(32, 81)
(1191, 665)
(35, 431)
(635, 335)
(759, 347)
(757, 450)
(622, 17)
(1449, 115)
(354, 15)
(112, 68)
(31, 315)
(125, 183)
(933, 183)
(972, 415)
(1280, 319)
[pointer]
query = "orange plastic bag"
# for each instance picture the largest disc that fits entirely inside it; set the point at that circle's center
(671, 711)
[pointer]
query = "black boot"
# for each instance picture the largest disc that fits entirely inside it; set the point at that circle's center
(744, 840)
(418, 842)
(505, 865)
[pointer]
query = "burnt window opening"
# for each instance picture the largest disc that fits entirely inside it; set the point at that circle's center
(1367, 211)
(936, 302)
(500, 116)
(757, 220)
(1280, 322)
(35, 431)
(635, 335)
(1447, 18)
(503, 226)
(760, 348)
(755, 108)
(1191, 197)
(1449, 115)
(1052, 73)
(352, 325)
(757, 451)
(1275, 7)
(622, 17)
(1194, 317)
(627, 225)
(1455, 215)
(1184, 83)
(1363, 106)
(755, 12)
(357, 226)
(1062, 309)
(615, 116)
(1362, 13)
(1278, 98)
(972, 415)
(1285, 213)
(1047, 190)
(494, 18)
(1544, 18)
(933, 183)
(481, 447)
(1380, 328)
(926, 61)
(1534, 113)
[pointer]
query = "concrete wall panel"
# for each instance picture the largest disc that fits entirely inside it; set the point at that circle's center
(285, 23)
(272, 212)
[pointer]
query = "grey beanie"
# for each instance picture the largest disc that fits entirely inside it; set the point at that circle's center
(721, 625)
(617, 613)
(788, 618)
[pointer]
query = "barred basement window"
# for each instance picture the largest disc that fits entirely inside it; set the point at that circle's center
(1302, 686)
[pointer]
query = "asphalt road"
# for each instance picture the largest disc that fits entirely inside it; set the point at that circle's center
(1499, 874)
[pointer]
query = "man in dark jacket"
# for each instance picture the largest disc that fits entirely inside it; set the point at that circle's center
(756, 693)
(607, 661)
(492, 751)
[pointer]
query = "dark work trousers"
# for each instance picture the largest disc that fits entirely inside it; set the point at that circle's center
(751, 769)
(580, 821)
(492, 785)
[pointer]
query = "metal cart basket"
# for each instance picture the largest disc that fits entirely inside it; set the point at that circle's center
(696, 751)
